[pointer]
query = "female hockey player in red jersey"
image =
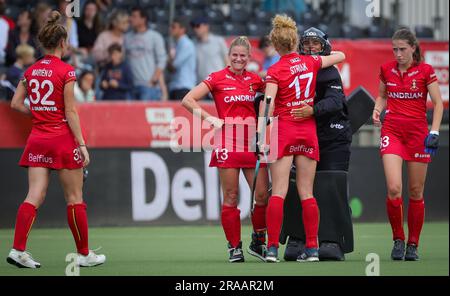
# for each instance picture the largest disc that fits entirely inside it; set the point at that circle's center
(234, 90)
(55, 143)
(404, 87)
(291, 82)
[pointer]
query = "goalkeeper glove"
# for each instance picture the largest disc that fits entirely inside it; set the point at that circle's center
(432, 143)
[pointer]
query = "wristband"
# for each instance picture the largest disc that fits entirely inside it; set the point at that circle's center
(434, 133)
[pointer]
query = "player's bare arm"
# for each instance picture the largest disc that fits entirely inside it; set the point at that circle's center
(334, 58)
(73, 120)
(190, 102)
(380, 104)
(435, 94)
(18, 101)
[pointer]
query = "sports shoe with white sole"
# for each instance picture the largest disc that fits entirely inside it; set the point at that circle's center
(22, 259)
(309, 255)
(236, 254)
(257, 247)
(272, 255)
(90, 260)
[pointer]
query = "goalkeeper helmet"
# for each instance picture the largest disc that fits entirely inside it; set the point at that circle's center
(314, 33)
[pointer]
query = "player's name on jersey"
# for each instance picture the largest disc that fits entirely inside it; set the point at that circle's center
(299, 68)
(42, 73)
(401, 95)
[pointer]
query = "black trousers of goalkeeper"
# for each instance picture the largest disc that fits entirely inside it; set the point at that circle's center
(331, 193)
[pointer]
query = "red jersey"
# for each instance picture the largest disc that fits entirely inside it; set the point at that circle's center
(45, 82)
(295, 76)
(407, 93)
(234, 95)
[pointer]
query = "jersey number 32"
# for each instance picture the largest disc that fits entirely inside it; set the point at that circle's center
(35, 95)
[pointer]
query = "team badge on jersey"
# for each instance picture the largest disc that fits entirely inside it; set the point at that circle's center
(414, 85)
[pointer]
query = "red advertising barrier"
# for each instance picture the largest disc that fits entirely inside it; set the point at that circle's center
(116, 124)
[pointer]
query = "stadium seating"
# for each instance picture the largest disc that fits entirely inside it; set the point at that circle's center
(239, 16)
(235, 29)
(424, 32)
(125, 4)
(13, 11)
(215, 16)
(150, 3)
(257, 30)
(352, 32)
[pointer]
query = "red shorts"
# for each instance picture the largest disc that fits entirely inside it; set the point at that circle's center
(233, 149)
(59, 152)
(405, 138)
(222, 158)
(294, 138)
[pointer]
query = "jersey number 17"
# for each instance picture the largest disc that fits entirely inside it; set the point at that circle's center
(296, 83)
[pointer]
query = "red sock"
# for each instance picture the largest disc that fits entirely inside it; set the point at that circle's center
(274, 218)
(259, 218)
(26, 215)
(416, 215)
(395, 214)
(310, 213)
(78, 223)
(231, 223)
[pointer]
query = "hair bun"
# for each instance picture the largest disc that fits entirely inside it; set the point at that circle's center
(53, 18)
(284, 21)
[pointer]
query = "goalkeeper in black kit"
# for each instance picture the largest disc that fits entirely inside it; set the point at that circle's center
(331, 187)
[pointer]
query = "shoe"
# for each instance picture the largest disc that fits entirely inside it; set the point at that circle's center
(411, 253)
(331, 251)
(309, 255)
(90, 260)
(257, 247)
(272, 255)
(398, 251)
(22, 259)
(293, 249)
(236, 254)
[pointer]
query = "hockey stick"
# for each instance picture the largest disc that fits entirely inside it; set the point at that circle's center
(258, 162)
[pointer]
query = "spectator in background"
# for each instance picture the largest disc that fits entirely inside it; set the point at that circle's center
(70, 24)
(117, 26)
(25, 58)
(104, 6)
(182, 62)
(146, 55)
(9, 20)
(212, 51)
(270, 55)
(4, 29)
(116, 80)
(22, 34)
(89, 26)
(84, 88)
(40, 15)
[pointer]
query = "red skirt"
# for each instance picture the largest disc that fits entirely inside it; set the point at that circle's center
(233, 148)
(294, 138)
(405, 138)
(59, 152)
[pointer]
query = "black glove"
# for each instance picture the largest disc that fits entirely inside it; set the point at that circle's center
(431, 143)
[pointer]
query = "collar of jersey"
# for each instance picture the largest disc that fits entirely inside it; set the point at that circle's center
(234, 74)
(288, 56)
(414, 64)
